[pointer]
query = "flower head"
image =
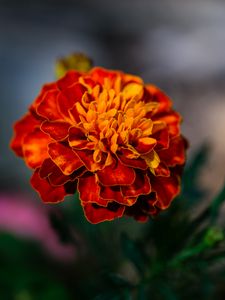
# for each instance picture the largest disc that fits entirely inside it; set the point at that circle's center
(107, 135)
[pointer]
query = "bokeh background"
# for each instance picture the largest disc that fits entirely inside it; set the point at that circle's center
(177, 45)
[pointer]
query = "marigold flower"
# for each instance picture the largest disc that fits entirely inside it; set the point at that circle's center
(107, 135)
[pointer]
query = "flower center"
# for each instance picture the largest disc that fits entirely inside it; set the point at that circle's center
(115, 116)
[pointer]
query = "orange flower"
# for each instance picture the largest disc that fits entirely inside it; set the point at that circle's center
(109, 136)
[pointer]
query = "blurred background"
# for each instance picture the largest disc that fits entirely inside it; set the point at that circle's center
(177, 45)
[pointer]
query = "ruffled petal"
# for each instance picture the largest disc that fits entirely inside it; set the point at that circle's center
(58, 130)
(21, 128)
(124, 156)
(145, 145)
(86, 156)
(113, 193)
(96, 214)
(35, 148)
(172, 120)
(164, 102)
(47, 192)
(68, 79)
(118, 174)
(141, 186)
(69, 96)
(166, 189)
(89, 190)
(64, 157)
(175, 154)
(48, 107)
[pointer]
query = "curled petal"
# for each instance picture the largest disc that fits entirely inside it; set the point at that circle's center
(48, 107)
(89, 190)
(145, 145)
(96, 214)
(124, 157)
(141, 186)
(35, 148)
(166, 189)
(47, 192)
(113, 193)
(172, 121)
(162, 170)
(86, 156)
(21, 128)
(68, 80)
(69, 96)
(118, 174)
(58, 130)
(160, 97)
(64, 157)
(175, 154)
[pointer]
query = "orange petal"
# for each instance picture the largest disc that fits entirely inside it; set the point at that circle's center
(89, 190)
(55, 175)
(162, 170)
(47, 192)
(162, 137)
(35, 146)
(141, 186)
(175, 154)
(99, 74)
(172, 120)
(48, 107)
(64, 157)
(166, 188)
(57, 130)
(69, 96)
(78, 140)
(138, 163)
(160, 97)
(118, 174)
(47, 87)
(96, 214)
(86, 156)
(70, 78)
(113, 193)
(145, 145)
(21, 128)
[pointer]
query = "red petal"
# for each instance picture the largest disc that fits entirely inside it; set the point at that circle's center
(86, 156)
(138, 163)
(96, 214)
(166, 188)
(99, 75)
(48, 107)
(145, 145)
(47, 87)
(48, 193)
(64, 157)
(89, 190)
(162, 137)
(118, 174)
(162, 170)
(175, 154)
(172, 120)
(78, 140)
(57, 130)
(68, 97)
(54, 174)
(160, 97)
(141, 186)
(114, 193)
(70, 78)
(21, 128)
(35, 146)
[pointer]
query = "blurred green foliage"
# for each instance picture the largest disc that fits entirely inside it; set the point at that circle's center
(178, 255)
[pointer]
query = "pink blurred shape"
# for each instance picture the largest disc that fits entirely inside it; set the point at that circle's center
(25, 218)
